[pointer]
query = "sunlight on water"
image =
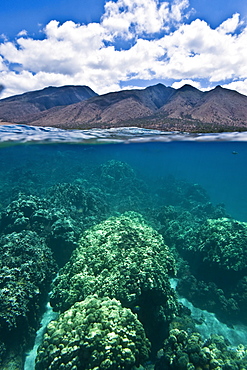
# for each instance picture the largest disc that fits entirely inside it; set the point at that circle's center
(24, 134)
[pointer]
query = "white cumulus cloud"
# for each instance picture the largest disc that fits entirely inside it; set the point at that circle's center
(128, 18)
(181, 83)
(135, 39)
(240, 86)
(231, 24)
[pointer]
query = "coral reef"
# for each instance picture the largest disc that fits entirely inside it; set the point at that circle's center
(124, 260)
(55, 225)
(60, 218)
(62, 238)
(208, 296)
(17, 215)
(121, 258)
(181, 193)
(179, 225)
(240, 295)
(216, 252)
(97, 333)
(2, 352)
(114, 173)
(76, 199)
(123, 189)
(211, 255)
(218, 244)
(26, 270)
(185, 350)
(223, 243)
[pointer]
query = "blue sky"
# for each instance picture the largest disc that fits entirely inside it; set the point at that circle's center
(111, 45)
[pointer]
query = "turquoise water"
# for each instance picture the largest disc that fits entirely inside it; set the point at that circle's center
(186, 191)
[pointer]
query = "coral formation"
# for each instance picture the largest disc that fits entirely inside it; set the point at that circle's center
(210, 250)
(184, 350)
(60, 218)
(240, 295)
(223, 242)
(74, 197)
(121, 258)
(26, 270)
(62, 236)
(208, 296)
(54, 224)
(179, 226)
(97, 333)
(113, 173)
(17, 215)
(216, 256)
(123, 189)
(180, 193)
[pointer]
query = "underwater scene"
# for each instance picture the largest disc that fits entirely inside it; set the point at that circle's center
(124, 250)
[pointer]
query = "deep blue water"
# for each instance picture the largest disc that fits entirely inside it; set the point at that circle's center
(219, 167)
(55, 185)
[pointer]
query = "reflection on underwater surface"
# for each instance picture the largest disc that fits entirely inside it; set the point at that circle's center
(117, 222)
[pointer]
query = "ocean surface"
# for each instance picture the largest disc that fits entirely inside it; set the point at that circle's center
(103, 221)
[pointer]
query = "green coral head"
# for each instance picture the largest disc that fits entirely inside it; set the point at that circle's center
(97, 333)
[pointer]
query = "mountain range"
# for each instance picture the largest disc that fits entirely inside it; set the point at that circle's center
(158, 106)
